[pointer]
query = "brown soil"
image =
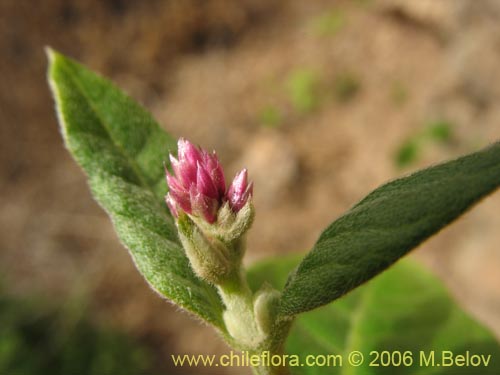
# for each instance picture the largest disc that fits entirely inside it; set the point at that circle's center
(208, 70)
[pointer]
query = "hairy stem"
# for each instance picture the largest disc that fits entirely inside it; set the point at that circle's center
(249, 333)
(267, 368)
(239, 315)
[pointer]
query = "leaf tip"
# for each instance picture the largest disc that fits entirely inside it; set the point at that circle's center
(54, 58)
(52, 55)
(49, 51)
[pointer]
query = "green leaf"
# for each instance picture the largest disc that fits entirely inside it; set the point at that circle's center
(387, 224)
(403, 309)
(121, 149)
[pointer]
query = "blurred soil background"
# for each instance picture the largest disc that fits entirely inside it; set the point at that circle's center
(321, 100)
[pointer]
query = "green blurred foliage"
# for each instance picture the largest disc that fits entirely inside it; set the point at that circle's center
(440, 131)
(329, 23)
(308, 89)
(437, 131)
(407, 153)
(303, 89)
(35, 340)
(270, 116)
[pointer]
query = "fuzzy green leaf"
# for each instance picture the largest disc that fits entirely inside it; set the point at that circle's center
(387, 224)
(121, 149)
(403, 309)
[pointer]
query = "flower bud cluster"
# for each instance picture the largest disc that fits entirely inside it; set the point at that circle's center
(198, 185)
(211, 218)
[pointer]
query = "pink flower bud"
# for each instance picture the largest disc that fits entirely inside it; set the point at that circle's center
(198, 186)
(239, 191)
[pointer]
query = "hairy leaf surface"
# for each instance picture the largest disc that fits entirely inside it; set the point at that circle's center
(387, 224)
(121, 149)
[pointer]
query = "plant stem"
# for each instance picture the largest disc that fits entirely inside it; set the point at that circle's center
(239, 315)
(268, 369)
(244, 328)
